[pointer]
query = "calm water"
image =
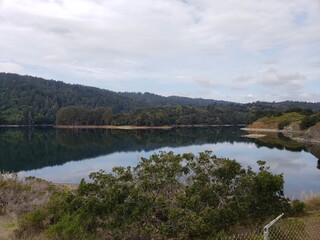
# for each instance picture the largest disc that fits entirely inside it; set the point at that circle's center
(64, 155)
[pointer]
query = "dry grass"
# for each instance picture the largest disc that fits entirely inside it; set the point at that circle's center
(272, 122)
(18, 196)
(22, 195)
(312, 201)
(291, 117)
(7, 227)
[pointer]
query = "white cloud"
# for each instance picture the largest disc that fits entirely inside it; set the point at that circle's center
(288, 80)
(241, 82)
(116, 43)
(7, 66)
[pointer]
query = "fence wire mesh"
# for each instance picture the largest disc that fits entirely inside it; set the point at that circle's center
(287, 229)
(296, 230)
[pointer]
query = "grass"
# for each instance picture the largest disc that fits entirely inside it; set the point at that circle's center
(18, 196)
(7, 227)
(291, 117)
(312, 202)
(278, 121)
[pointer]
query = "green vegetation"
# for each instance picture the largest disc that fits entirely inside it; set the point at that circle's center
(283, 124)
(304, 118)
(165, 196)
(30, 100)
(309, 121)
(73, 115)
(177, 115)
(281, 120)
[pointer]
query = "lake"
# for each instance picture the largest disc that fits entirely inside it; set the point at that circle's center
(68, 155)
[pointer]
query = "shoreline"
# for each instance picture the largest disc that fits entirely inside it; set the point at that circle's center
(270, 130)
(132, 127)
(300, 137)
(123, 127)
(23, 126)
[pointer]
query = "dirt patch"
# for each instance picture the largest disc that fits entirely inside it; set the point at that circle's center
(261, 125)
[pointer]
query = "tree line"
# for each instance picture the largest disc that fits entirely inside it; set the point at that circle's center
(27, 100)
(160, 116)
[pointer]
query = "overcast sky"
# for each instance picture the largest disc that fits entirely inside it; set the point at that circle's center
(221, 49)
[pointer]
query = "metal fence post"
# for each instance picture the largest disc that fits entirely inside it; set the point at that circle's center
(266, 228)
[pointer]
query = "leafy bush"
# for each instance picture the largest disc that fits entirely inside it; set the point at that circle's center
(297, 207)
(283, 124)
(308, 121)
(167, 196)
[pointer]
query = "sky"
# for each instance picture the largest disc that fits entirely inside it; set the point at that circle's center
(242, 51)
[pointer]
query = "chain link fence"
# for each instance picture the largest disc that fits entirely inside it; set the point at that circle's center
(284, 229)
(296, 230)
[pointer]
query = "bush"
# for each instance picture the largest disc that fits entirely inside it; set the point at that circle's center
(297, 207)
(283, 124)
(307, 122)
(167, 196)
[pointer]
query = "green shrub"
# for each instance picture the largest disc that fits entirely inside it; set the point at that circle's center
(283, 124)
(308, 121)
(34, 219)
(297, 207)
(68, 228)
(165, 196)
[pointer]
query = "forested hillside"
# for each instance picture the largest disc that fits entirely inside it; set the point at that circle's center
(33, 100)
(26, 99)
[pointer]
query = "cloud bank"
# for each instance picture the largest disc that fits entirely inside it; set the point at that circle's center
(230, 50)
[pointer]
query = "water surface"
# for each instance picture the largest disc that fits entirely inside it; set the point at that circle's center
(68, 155)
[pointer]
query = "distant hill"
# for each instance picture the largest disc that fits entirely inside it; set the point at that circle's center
(26, 97)
(154, 100)
(34, 100)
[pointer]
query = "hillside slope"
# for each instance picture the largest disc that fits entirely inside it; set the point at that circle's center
(25, 99)
(32, 100)
(276, 122)
(303, 128)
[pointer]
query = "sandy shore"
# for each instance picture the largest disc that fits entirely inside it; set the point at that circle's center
(131, 127)
(125, 127)
(269, 130)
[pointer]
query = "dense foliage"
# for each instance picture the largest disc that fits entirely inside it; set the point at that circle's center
(310, 120)
(74, 115)
(215, 114)
(178, 115)
(31, 100)
(166, 196)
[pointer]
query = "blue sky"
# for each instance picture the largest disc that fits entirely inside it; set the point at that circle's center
(244, 51)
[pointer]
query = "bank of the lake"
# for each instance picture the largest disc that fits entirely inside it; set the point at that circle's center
(132, 127)
(298, 126)
(309, 136)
